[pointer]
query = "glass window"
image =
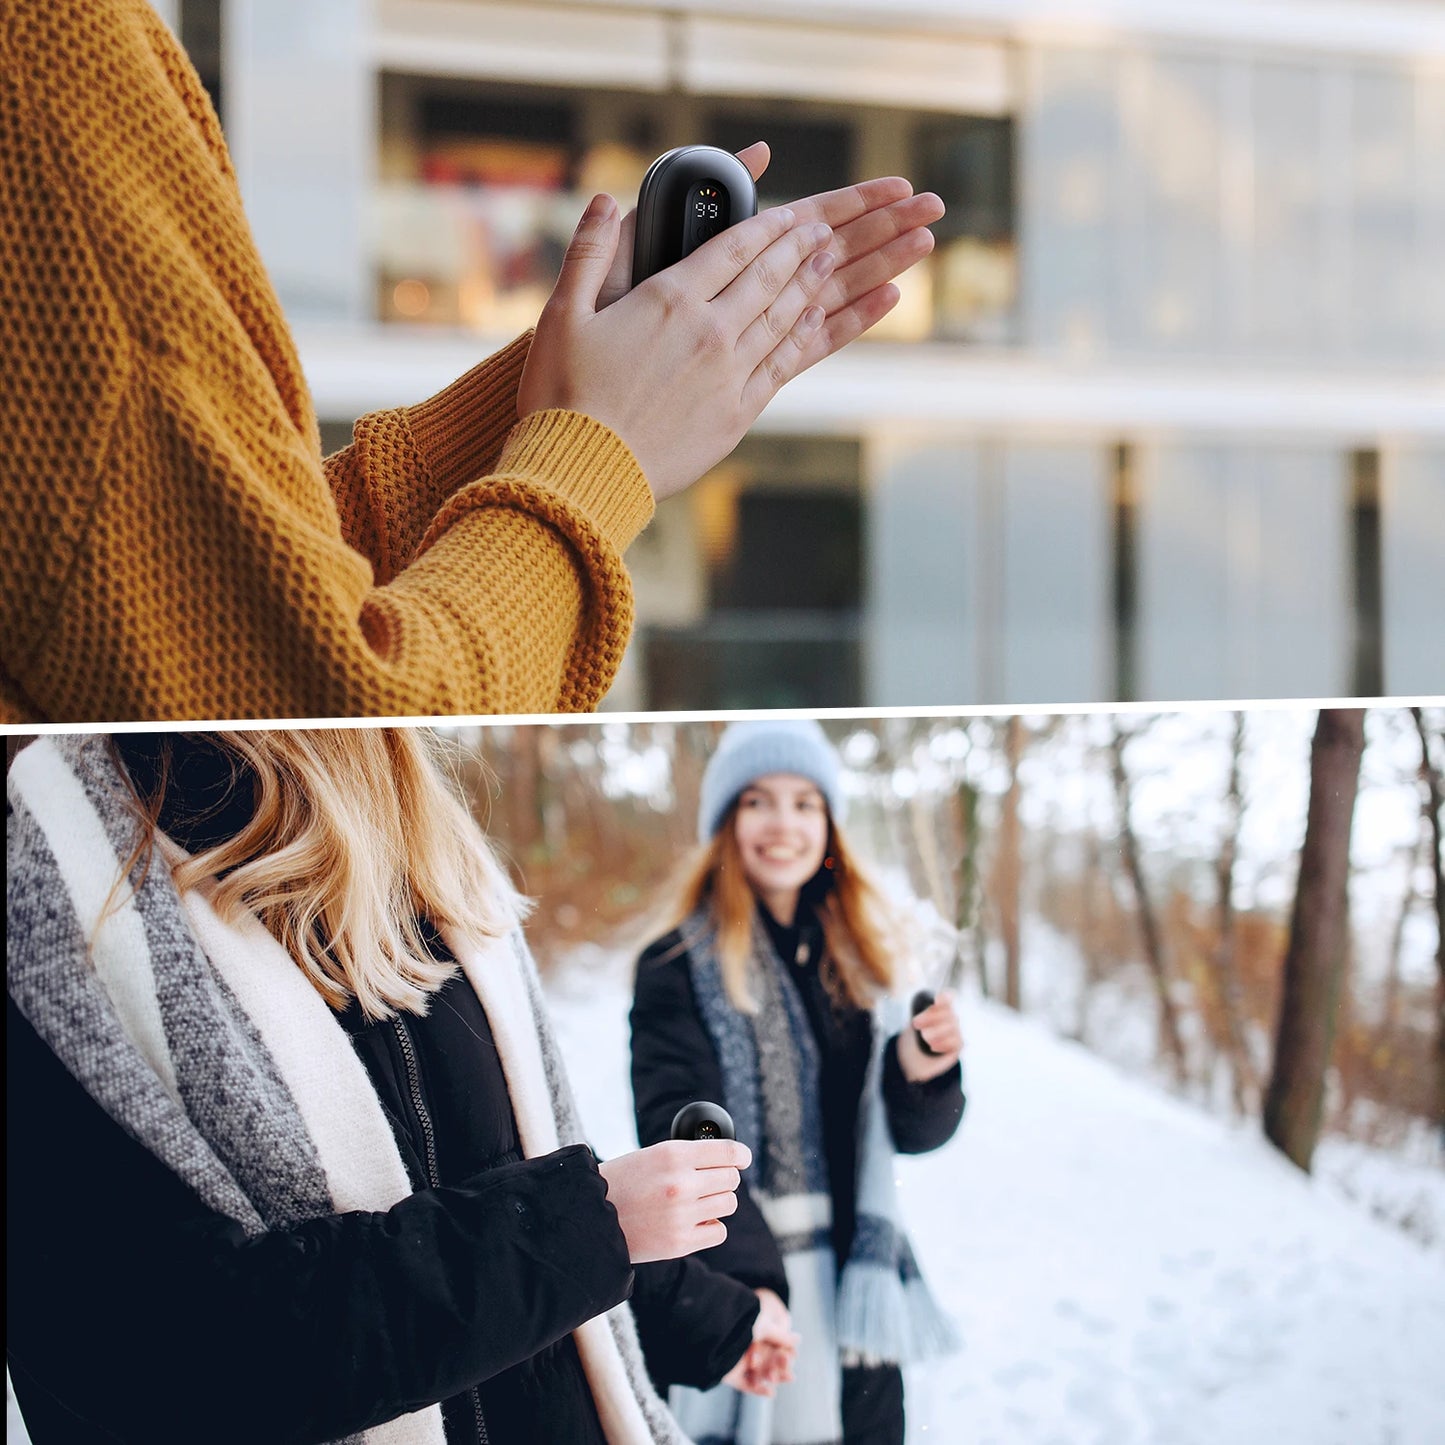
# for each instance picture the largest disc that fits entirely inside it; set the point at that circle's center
(481, 189)
(200, 33)
(1171, 232)
(1412, 542)
(481, 183)
(776, 546)
(809, 153)
(1430, 238)
(1072, 142)
(927, 595)
(1384, 284)
(1053, 548)
(989, 573)
(1291, 308)
(1244, 565)
(969, 161)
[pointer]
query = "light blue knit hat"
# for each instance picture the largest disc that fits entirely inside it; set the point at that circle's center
(751, 750)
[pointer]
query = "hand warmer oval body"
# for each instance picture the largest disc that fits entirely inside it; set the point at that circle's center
(703, 1120)
(921, 1000)
(688, 196)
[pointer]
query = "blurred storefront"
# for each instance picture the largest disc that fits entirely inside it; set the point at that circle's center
(1162, 417)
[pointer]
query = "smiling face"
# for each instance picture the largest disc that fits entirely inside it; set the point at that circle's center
(782, 834)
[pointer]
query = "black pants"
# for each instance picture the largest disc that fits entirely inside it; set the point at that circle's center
(872, 1405)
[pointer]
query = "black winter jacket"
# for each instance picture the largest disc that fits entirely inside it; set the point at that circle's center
(674, 1062)
(135, 1313)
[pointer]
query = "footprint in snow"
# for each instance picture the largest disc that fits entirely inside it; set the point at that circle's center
(1021, 1373)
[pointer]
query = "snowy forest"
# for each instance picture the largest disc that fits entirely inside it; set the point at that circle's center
(1199, 1191)
(1130, 879)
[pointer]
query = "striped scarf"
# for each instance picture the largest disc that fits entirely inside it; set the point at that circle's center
(879, 1309)
(202, 1039)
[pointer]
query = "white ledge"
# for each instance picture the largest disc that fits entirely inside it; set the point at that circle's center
(881, 388)
(1413, 29)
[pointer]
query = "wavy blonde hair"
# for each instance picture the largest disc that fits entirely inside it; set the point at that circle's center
(860, 932)
(358, 834)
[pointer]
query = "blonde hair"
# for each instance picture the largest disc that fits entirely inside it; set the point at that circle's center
(859, 930)
(357, 835)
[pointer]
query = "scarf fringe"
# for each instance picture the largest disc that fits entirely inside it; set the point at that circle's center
(884, 1320)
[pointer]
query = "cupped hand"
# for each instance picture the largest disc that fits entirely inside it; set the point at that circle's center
(939, 1025)
(880, 230)
(681, 366)
(671, 1198)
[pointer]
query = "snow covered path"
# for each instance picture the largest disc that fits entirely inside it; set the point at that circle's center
(1126, 1270)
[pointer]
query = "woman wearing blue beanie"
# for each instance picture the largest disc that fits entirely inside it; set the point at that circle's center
(772, 996)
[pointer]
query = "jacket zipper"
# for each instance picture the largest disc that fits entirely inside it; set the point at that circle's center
(413, 1081)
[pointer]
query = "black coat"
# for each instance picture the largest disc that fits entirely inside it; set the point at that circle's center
(136, 1313)
(674, 1062)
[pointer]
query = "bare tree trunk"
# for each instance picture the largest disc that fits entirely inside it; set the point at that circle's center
(972, 912)
(1430, 776)
(523, 796)
(1148, 923)
(1243, 1078)
(1088, 933)
(1390, 1011)
(923, 819)
(551, 806)
(895, 748)
(1314, 959)
(963, 812)
(692, 744)
(1008, 868)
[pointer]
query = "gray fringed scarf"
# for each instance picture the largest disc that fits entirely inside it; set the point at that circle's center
(880, 1309)
(203, 1040)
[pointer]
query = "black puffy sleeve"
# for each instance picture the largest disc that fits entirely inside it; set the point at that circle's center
(925, 1116)
(693, 1322)
(674, 1063)
(134, 1312)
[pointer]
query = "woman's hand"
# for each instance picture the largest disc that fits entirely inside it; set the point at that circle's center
(768, 1360)
(671, 1198)
(681, 366)
(879, 232)
(939, 1025)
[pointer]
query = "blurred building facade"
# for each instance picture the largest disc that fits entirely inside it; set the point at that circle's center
(1163, 416)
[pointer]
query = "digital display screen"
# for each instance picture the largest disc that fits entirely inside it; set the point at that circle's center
(706, 214)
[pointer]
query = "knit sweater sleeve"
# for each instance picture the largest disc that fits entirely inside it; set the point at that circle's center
(403, 465)
(175, 546)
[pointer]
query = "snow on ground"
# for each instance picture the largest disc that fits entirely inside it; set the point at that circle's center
(1126, 1270)
(1399, 1187)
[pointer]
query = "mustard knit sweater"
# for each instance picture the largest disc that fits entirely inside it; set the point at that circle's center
(174, 546)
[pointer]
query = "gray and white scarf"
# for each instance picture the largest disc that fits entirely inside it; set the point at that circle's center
(202, 1039)
(878, 1309)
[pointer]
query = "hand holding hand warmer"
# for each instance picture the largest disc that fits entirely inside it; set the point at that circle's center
(939, 1025)
(681, 366)
(671, 1198)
